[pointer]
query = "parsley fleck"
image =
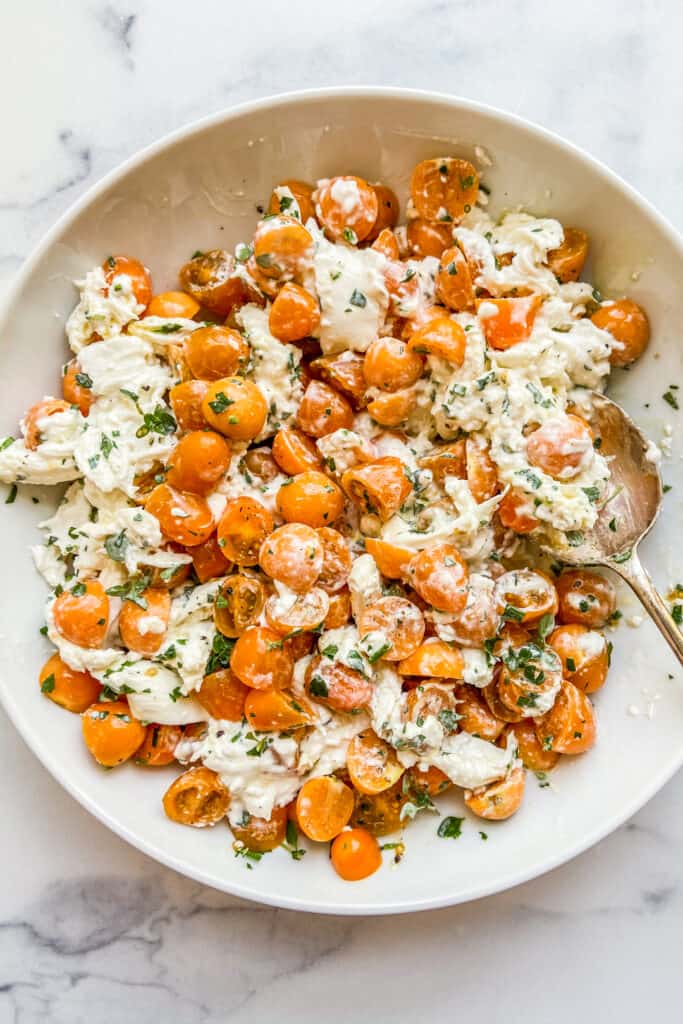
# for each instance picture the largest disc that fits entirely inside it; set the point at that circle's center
(450, 828)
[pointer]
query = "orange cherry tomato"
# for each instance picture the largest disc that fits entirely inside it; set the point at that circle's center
(528, 592)
(262, 834)
(347, 207)
(223, 695)
(628, 324)
(515, 513)
(81, 615)
(426, 238)
(566, 262)
(211, 279)
(529, 749)
(387, 211)
(529, 670)
(173, 304)
(387, 244)
(444, 188)
(294, 452)
(482, 475)
(243, 528)
(323, 807)
(310, 498)
(209, 561)
(355, 854)
(381, 814)
(261, 660)
(508, 321)
(72, 690)
(336, 560)
(439, 575)
(586, 598)
(440, 337)
(111, 733)
(393, 408)
(379, 487)
(584, 653)
(40, 411)
(446, 460)
(186, 401)
(433, 658)
(323, 410)
(143, 629)
(498, 800)
(302, 193)
(236, 408)
(167, 577)
(293, 555)
(399, 621)
(344, 372)
(238, 603)
(371, 763)
(476, 717)
(140, 280)
(392, 560)
(569, 727)
(276, 711)
(390, 364)
(430, 780)
(158, 746)
(183, 518)
(498, 709)
(197, 798)
(283, 247)
(560, 446)
(199, 462)
(339, 611)
(479, 619)
(306, 612)
(260, 463)
(77, 388)
(215, 352)
(294, 315)
(454, 280)
(336, 685)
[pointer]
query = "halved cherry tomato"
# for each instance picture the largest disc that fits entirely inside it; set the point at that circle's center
(426, 238)
(344, 372)
(392, 560)
(238, 604)
(167, 577)
(347, 207)
(387, 244)
(111, 733)
(586, 598)
(77, 388)
(430, 780)
(391, 365)
(294, 315)
(482, 475)
(223, 695)
(211, 279)
(173, 304)
(235, 407)
(454, 280)
(507, 322)
(183, 518)
(262, 834)
(496, 706)
(294, 452)
(476, 716)
(569, 727)
(339, 611)
(158, 747)
(440, 337)
(186, 401)
(143, 629)
(515, 513)
(209, 561)
(72, 690)
(81, 615)
(432, 698)
(260, 659)
(302, 193)
(323, 410)
(242, 529)
(393, 408)
(566, 262)
(560, 446)
(310, 498)
(387, 210)
(140, 280)
(336, 685)
(40, 411)
(259, 462)
(198, 462)
(336, 560)
(399, 622)
(215, 352)
(379, 487)
(478, 621)
(297, 613)
(355, 855)
(528, 592)
(293, 555)
(197, 798)
(439, 575)
(381, 814)
(283, 247)
(445, 460)
(529, 671)
(323, 807)
(276, 711)
(628, 324)
(444, 188)
(498, 800)
(584, 653)
(433, 658)
(529, 749)
(371, 763)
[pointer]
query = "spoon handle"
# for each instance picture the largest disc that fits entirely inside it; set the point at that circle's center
(641, 583)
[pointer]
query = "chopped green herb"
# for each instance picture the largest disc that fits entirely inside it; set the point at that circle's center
(450, 828)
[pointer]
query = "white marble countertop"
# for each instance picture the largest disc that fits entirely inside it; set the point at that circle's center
(90, 929)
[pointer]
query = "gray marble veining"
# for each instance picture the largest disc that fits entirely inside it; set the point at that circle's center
(92, 931)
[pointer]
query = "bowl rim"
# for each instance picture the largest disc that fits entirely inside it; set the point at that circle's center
(51, 761)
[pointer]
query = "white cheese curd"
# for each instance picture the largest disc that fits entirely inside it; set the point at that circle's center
(275, 369)
(344, 449)
(364, 583)
(343, 644)
(287, 201)
(154, 693)
(353, 299)
(239, 482)
(323, 750)
(126, 362)
(103, 309)
(52, 462)
(478, 670)
(470, 762)
(82, 659)
(162, 331)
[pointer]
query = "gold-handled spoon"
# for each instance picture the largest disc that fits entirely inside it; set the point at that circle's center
(627, 516)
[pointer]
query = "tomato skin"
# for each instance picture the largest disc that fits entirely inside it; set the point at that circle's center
(560, 446)
(72, 690)
(75, 393)
(323, 807)
(441, 337)
(294, 452)
(140, 279)
(210, 279)
(529, 591)
(628, 324)
(158, 746)
(392, 561)
(499, 800)
(132, 617)
(336, 685)
(82, 617)
(293, 555)
(391, 364)
(387, 211)
(514, 513)
(223, 695)
(310, 498)
(387, 244)
(569, 727)
(323, 410)
(344, 373)
(262, 834)
(379, 487)
(440, 576)
(529, 749)
(276, 710)
(37, 412)
(302, 193)
(355, 855)
(197, 798)
(239, 603)
(235, 407)
(294, 314)
(199, 462)
(337, 560)
(371, 763)
(184, 518)
(399, 620)
(477, 717)
(243, 528)
(584, 653)
(566, 262)
(215, 352)
(426, 238)
(186, 401)
(261, 660)
(444, 185)
(454, 281)
(173, 304)
(111, 733)
(586, 598)
(347, 207)
(209, 561)
(508, 321)
(393, 408)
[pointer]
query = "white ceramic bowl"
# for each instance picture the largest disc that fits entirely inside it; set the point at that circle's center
(199, 189)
